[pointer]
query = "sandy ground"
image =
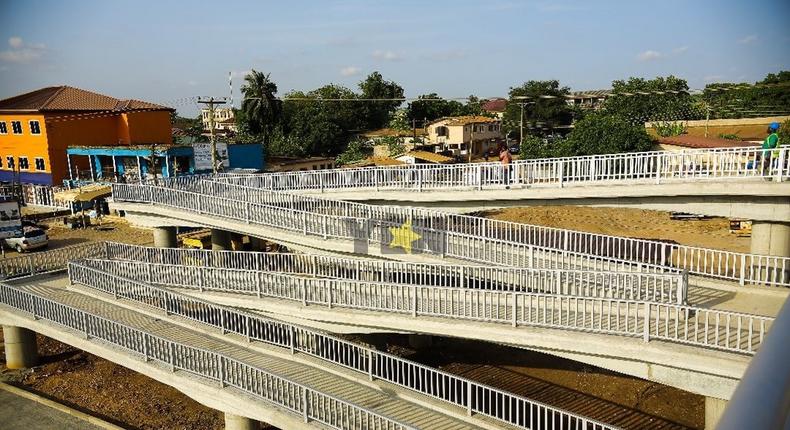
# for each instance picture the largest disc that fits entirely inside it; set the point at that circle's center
(636, 223)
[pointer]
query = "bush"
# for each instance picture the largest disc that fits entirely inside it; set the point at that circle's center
(535, 147)
(356, 150)
(606, 134)
(667, 128)
(729, 136)
(784, 134)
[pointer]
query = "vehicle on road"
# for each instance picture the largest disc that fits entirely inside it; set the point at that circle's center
(32, 238)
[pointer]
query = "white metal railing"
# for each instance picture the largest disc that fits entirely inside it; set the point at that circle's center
(311, 404)
(474, 397)
(460, 236)
(30, 264)
(640, 167)
(656, 287)
(715, 329)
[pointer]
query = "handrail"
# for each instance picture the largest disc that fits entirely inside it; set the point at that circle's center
(643, 167)
(307, 402)
(30, 264)
(701, 327)
(762, 398)
(460, 236)
(663, 288)
(473, 396)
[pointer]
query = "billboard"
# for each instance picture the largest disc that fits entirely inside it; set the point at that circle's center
(202, 153)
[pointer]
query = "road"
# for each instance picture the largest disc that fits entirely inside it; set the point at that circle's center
(20, 413)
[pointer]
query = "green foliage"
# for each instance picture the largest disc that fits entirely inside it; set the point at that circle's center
(400, 120)
(669, 128)
(768, 97)
(539, 147)
(377, 113)
(784, 134)
(607, 134)
(541, 113)
(732, 136)
(426, 109)
(356, 150)
(261, 107)
(283, 145)
(394, 145)
(641, 100)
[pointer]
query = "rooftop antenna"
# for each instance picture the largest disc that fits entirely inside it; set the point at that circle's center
(230, 82)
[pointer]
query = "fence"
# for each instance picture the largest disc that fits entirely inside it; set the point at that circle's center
(474, 397)
(294, 397)
(665, 288)
(730, 331)
(640, 167)
(461, 236)
(30, 264)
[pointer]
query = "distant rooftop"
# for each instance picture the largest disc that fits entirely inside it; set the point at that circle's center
(495, 105)
(66, 98)
(465, 120)
(391, 132)
(590, 94)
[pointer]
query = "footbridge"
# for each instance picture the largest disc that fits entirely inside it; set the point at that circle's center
(247, 365)
(718, 182)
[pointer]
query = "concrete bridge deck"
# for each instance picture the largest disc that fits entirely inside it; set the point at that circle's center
(382, 398)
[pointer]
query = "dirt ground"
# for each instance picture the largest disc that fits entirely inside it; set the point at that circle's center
(645, 224)
(617, 399)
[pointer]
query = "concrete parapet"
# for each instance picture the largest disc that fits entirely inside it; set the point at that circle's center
(236, 422)
(714, 409)
(21, 350)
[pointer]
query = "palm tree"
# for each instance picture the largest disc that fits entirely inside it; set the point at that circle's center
(260, 103)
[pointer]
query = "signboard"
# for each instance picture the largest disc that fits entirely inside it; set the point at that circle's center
(10, 220)
(203, 155)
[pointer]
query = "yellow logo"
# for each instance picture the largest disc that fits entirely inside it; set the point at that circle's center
(403, 236)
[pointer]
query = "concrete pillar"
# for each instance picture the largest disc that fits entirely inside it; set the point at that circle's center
(220, 240)
(235, 422)
(21, 350)
(714, 409)
(771, 238)
(165, 237)
(420, 341)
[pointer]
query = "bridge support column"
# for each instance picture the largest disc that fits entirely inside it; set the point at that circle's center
(771, 238)
(420, 341)
(714, 409)
(21, 350)
(235, 422)
(220, 240)
(165, 237)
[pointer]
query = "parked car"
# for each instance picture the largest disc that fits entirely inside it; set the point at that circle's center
(32, 238)
(515, 149)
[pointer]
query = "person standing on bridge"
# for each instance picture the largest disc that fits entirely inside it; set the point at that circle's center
(770, 147)
(506, 159)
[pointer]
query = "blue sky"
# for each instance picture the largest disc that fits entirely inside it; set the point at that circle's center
(165, 50)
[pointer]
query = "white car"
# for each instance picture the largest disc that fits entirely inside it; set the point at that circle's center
(32, 238)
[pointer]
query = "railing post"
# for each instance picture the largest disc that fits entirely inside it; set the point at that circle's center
(646, 328)
(247, 210)
(304, 403)
(85, 324)
(515, 309)
(781, 165)
(293, 339)
(32, 266)
(258, 282)
(419, 180)
(171, 356)
(659, 164)
(33, 306)
(329, 293)
(469, 398)
(742, 279)
(304, 291)
(222, 321)
(321, 181)
(479, 176)
(413, 300)
(560, 171)
(221, 371)
(200, 279)
(145, 347)
(247, 326)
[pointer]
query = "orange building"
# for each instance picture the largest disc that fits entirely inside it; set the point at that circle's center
(37, 127)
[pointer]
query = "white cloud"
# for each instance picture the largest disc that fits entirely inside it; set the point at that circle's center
(240, 74)
(350, 71)
(680, 49)
(748, 39)
(386, 55)
(21, 52)
(649, 55)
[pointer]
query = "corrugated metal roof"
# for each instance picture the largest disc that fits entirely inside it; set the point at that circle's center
(431, 157)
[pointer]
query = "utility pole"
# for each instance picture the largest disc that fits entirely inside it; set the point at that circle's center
(211, 102)
(521, 125)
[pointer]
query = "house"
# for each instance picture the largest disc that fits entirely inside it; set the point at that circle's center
(37, 127)
(455, 135)
(382, 139)
(592, 99)
(224, 120)
(423, 157)
(495, 107)
(295, 164)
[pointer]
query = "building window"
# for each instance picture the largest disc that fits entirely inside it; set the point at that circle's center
(16, 126)
(3, 128)
(35, 128)
(1, 162)
(23, 164)
(40, 164)
(10, 160)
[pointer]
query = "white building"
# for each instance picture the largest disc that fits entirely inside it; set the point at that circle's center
(223, 119)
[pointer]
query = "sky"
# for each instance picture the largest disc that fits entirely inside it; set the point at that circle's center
(166, 51)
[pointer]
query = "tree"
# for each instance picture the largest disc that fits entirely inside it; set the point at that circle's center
(426, 107)
(545, 107)
(602, 133)
(356, 150)
(377, 113)
(260, 105)
(661, 99)
(768, 97)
